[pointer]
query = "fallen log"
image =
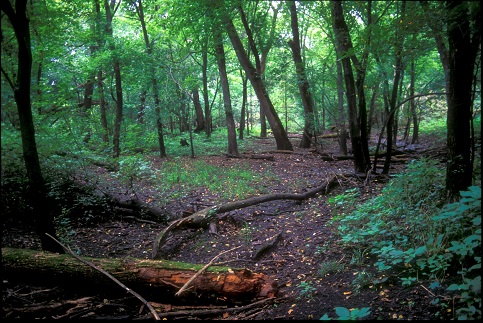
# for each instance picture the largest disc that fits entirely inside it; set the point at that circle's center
(223, 282)
(202, 218)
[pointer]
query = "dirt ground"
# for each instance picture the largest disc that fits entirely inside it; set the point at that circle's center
(306, 247)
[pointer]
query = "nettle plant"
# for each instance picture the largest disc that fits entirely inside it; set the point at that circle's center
(410, 230)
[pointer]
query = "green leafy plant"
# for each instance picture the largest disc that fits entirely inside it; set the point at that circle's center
(362, 280)
(307, 290)
(348, 314)
(410, 229)
(343, 203)
(330, 267)
(246, 233)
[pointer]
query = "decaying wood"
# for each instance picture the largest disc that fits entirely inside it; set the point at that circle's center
(272, 243)
(137, 206)
(217, 311)
(199, 272)
(203, 217)
(142, 274)
(102, 271)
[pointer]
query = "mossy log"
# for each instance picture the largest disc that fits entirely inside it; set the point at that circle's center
(27, 265)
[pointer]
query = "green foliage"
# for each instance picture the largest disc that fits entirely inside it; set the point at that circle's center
(307, 290)
(362, 280)
(330, 267)
(343, 203)
(348, 314)
(409, 229)
(226, 182)
(246, 233)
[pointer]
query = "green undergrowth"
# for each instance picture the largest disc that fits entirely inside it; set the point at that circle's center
(226, 182)
(409, 230)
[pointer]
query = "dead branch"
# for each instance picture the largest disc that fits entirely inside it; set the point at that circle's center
(204, 216)
(268, 247)
(196, 313)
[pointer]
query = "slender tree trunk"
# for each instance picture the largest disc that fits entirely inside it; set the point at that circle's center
(230, 123)
(142, 104)
(243, 112)
(42, 215)
(204, 68)
(154, 81)
(399, 68)
(303, 83)
(110, 11)
(412, 105)
(119, 107)
(200, 118)
(343, 46)
(372, 108)
(102, 109)
(342, 138)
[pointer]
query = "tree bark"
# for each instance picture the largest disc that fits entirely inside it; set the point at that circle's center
(399, 67)
(464, 43)
(154, 81)
(344, 45)
(200, 118)
(243, 112)
(253, 74)
(341, 125)
(230, 123)
(110, 9)
(42, 216)
(303, 83)
(234, 284)
(204, 68)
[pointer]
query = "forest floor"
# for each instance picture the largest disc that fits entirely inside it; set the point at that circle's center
(308, 243)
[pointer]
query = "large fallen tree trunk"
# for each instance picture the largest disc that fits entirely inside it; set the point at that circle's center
(221, 282)
(203, 217)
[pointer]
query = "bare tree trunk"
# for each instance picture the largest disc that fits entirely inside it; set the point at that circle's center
(230, 123)
(303, 83)
(399, 67)
(208, 125)
(42, 215)
(281, 138)
(464, 43)
(342, 133)
(412, 105)
(111, 9)
(243, 112)
(343, 46)
(102, 109)
(200, 118)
